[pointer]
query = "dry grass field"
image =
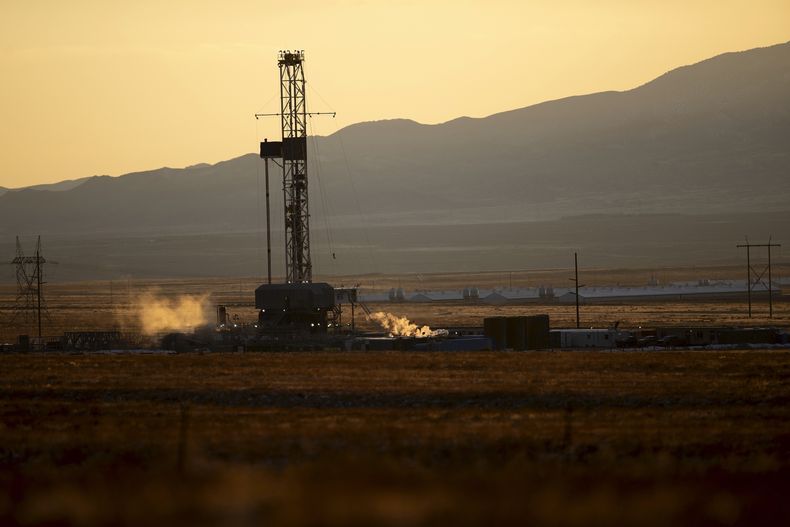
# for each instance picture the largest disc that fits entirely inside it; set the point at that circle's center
(396, 438)
(105, 305)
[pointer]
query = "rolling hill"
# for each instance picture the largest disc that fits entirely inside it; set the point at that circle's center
(709, 139)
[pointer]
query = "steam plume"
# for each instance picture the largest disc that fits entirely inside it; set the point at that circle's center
(402, 327)
(156, 314)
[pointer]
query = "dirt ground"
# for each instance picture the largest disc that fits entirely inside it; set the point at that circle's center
(395, 438)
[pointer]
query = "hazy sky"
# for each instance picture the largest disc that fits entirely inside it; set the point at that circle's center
(109, 87)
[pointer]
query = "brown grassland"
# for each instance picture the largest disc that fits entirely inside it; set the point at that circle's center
(396, 438)
(81, 306)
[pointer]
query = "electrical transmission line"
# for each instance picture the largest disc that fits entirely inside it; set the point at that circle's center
(30, 305)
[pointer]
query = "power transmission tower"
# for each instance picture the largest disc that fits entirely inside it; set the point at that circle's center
(30, 304)
(755, 278)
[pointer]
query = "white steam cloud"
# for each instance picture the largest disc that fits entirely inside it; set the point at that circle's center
(402, 327)
(157, 314)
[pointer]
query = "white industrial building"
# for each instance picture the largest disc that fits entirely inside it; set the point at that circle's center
(504, 296)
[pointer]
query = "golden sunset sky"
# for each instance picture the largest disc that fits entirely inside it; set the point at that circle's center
(106, 87)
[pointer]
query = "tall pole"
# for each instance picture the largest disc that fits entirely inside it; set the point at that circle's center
(770, 286)
(286, 263)
(749, 278)
(576, 280)
(38, 286)
(268, 226)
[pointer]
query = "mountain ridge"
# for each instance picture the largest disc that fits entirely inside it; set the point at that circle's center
(708, 138)
(461, 120)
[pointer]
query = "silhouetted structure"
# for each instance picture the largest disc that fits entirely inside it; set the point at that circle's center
(29, 304)
(298, 306)
(575, 281)
(293, 151)
(754, 278)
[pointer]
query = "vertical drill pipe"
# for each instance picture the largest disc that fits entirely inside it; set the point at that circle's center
(268, 227)
(749, 279)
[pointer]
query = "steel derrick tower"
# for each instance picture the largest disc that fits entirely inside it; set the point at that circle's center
(293, 114)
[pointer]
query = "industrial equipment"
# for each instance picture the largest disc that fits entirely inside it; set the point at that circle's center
(297, 306)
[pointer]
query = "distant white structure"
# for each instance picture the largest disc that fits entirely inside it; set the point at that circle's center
(421, 297)
(508, 296)
(471, 293)
(567, 294)
(397, 295)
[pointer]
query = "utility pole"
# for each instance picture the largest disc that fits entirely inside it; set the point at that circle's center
(38, 286)
(577, 285)
(770, 284)
(749, 276)
(753, 277)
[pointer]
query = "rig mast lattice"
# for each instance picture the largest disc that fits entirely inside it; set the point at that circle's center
(293, 113)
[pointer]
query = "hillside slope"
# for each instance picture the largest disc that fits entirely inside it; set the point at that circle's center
(709, 139)
(704, 138)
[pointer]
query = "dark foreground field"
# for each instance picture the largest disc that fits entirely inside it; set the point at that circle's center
(396, 438)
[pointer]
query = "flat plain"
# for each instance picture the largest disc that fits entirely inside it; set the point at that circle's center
(113, 305)
(396, 438)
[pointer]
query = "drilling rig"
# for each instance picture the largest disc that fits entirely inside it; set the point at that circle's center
(299, 306)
